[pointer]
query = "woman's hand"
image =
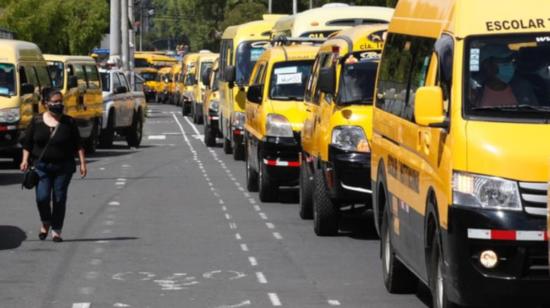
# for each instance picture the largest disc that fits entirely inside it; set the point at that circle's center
(83, 170)
(24, 166)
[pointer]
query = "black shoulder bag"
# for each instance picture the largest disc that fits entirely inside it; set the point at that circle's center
(30, 177)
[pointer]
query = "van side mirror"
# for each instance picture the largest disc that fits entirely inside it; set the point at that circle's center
(429, 108)
(27, 88)
(255, 94)
(72, 82)
(121, 90)
(327, 80)
(230, 74)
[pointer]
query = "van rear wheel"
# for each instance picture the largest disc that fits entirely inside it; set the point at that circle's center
(108, 134)
(135, 133)
(90, 145)
(306, 202)
(209, 135)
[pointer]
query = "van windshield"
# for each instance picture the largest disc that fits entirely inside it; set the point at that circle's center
(357, 79)
(508, 77)
(7, 79)
(141, 63)
(57, 73)
(288, 80)
(105, 82)
(247, 55)
(205, 66)
(150, 76)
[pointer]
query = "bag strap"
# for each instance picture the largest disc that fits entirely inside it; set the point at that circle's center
(48, 144)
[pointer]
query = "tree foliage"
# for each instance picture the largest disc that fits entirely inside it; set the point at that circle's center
(57, 26)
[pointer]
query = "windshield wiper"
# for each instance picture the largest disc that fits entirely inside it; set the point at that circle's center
(356, 102)
(514, 108)
(287, 98)
(5, 95)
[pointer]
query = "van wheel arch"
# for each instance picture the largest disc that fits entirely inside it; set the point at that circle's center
(380, 192)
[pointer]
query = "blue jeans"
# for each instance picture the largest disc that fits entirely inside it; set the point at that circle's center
(51, 191)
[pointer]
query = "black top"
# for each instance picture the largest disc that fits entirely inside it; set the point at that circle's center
(64, 145)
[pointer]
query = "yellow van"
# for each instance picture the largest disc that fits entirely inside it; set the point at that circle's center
(460, 151)
(275, 113)
(189, 79)
(77, 77)
(149, 74)
(164, 79)
(240, 47)
(323, 21)
(148, 59)
(23, 74)
(176, 85)
(211, 105)
(338, 128)
(204, 63)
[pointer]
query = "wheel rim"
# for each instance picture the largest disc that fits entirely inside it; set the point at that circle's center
(439, 284)
(387, 252)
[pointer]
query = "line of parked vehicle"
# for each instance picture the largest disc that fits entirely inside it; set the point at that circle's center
(429, 116)
(102, 102)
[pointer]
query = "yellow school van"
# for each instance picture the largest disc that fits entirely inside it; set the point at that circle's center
(338, 128)
(23, 74)
(211, 105)
(323, 21)
(149, 59)
(176, 85)
(460, 152)
(77, 77)
(149, 76)
(189, 79)
(241, 46)
(204, 64)
(164, 78)
(275, 113)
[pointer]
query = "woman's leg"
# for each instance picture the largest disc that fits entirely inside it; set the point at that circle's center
(44, 194)
(60, 189)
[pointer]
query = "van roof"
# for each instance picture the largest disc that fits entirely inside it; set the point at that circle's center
(254, 30)
(429, 18)
(14, 50)
(329, 18)
(361, 38)
(290, 53)
(209, 57)
(67, 58)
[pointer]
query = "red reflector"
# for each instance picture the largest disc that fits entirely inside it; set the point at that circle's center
(3, 128)
(294, 164)
(237, 132)
(503, 235)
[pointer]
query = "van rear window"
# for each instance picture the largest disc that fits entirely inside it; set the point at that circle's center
(508, 77)
(7, 79)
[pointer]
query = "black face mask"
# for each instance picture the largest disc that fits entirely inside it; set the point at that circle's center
(56, 109)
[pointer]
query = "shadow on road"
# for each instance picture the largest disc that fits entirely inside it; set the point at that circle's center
(11, 237)
(289, 195)
(118, 238)
(358, 225)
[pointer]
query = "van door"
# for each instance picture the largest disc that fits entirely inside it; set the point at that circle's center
(94, 97)
(254, 115)
(126, 108)
(30, 103)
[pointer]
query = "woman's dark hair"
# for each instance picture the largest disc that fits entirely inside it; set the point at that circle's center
(48, 93)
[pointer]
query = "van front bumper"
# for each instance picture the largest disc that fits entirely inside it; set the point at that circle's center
(347, 176)
(520, 243)
(281, 156)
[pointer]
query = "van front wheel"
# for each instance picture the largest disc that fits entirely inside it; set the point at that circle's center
(325, 214)
(306, 202)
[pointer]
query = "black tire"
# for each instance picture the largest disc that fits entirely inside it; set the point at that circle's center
(251, 177)
(306, 194)
(325, 214)
(267, 189)
(238, 152)
(135, 133)
(438, 286)
(209, 136)
(108, 134)
(90, 145)
(198, 112)
(397, 278)
(194, 113)
(227, 146)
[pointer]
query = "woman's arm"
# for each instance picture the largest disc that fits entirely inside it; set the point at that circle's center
(83, 166)
(25, 160)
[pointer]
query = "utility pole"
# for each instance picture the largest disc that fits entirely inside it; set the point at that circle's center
(131, 41)
(294, 6)
(269, 6)
(114, 40)
(141, 25)
(310, 4)
(125, 41)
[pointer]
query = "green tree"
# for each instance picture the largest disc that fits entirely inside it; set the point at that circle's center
(57, 26)
(243, 12)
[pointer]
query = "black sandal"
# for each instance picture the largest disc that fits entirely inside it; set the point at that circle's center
(43, 235)
(57, 239)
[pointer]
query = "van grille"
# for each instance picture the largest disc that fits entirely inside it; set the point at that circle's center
(534, 197)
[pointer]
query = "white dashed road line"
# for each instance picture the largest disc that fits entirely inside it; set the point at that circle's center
(274, 298)
(270, 225)
(244, 247)
(277, 235)
(334, 302)
(253, 261)
(261, 278)
(82, 305)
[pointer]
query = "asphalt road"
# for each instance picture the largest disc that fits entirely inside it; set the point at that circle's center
(171, 225)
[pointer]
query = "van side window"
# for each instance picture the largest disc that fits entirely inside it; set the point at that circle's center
(259, 77)
(325, 62)
(78, 70)
(28, 75)
(310, 87)
(123, 81)
(43, 76)
(403, 70)
(116, 82)
(92, 76)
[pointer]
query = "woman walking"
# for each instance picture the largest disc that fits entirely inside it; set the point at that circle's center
(55, 137)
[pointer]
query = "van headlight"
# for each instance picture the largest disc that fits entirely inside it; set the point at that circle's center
(350, 138)
(10, 115)
(485, 192)
(278, 126)
(238, 120)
